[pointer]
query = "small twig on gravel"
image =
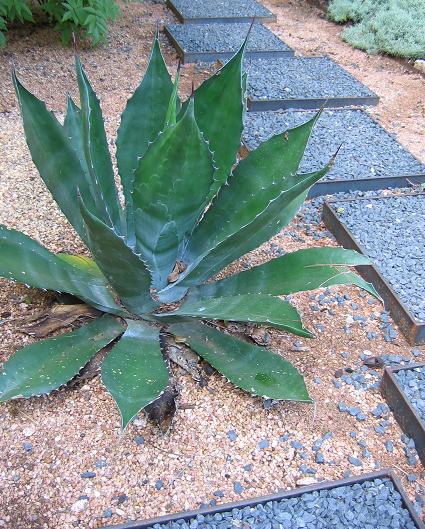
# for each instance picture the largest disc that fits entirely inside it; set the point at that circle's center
(407, 473)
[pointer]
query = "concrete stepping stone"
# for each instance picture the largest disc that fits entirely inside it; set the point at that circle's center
(303, 82)
(390, 230)
(211, 42)
(227, 11)
(369, 157)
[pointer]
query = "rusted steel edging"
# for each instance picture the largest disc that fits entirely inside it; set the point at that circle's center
(187, 515)
(405, 414)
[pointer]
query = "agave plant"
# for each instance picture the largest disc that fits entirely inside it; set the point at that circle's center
(189, 212)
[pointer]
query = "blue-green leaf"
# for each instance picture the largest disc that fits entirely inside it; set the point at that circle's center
(247, 366)
(134, 371)
(39, 368)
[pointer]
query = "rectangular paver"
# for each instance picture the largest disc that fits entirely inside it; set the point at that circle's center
(227, 11)
(369, 158)
(211, 42)
(303, 82)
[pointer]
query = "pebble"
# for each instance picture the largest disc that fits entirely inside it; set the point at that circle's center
(159, 484)
(88, 475)
(355, 461)
(263, 444)
(232, 435)
(237, 487)
(29, 431)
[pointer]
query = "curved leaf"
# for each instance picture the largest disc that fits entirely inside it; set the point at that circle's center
(124, 269)
(39, 368)
(134, 371)
(256, 308)
(54, 157)
(97, 154)
(247, 366)
(262, 194)
(24, 260)
(171, 183)
(219, 102)
(299, 271)
(73, 126)
(141, 122)
(171, 117)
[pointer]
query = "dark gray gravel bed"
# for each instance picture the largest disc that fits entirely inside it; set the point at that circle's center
(220, 39)
(412, 382)
(200, 9)
(367, 150)
(391, 232)
(370, 505)
(301, 78)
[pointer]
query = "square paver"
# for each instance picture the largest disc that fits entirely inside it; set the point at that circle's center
(369, 158)
(227, 11)
(211, 42)
(303, 82)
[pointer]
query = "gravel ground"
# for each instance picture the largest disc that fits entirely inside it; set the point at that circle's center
(391, 232)
(367, 150)
(301, 78)
(225, 38)
(372, 504)
(221, 9)
(412, 382)
(63, 460)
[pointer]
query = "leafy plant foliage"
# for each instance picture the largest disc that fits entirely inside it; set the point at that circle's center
(88, 17)
(189, 212)
(395, 27)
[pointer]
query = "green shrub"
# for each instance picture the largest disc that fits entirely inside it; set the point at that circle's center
(88, 17)
(395, 27)
(188, 214)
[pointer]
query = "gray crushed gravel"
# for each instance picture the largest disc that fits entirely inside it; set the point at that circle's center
(391, 232)
(225, 38)
(220, 8)
(370, 505)
(412, 382)
(367, 150)
(301, 78)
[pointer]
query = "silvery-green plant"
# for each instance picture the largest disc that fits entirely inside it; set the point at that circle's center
(189, 212)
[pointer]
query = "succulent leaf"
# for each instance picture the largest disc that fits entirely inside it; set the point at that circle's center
(298, 271)
(263, 187)
(41, 367)
(141, 122)
(134, 371)
(171, 183)
(123, 269)
(247, 366)
(54, 157)
(256, 308)
(73, 126)
(171, 117)
(26, 261)
(97, 154)
(219, 106)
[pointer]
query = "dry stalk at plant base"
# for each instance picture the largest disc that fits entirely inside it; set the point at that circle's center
(187, 215)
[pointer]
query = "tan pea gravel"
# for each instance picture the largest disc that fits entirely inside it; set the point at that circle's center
(71, 430)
